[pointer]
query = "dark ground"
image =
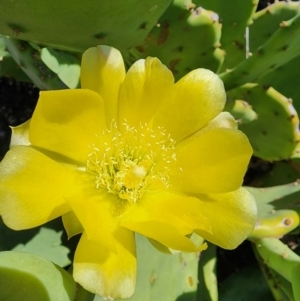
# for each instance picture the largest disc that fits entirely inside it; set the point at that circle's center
(17, 102)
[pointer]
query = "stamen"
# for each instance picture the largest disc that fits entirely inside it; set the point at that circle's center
(130, 161)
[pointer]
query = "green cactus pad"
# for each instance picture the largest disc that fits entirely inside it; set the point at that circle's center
(185, 38)
(27, 277)
(76, 25)
(280, 287)
(277, 210)
(8, 67)
(278, 256)
(282, 172)
(230, 289)
(266, 21)
(276, 123)
(64, 64)
(207, 274)
(47, 243)
(286, 80)
(275, 224)
(295, 282)
(276, 198)
(235, 16)
(241, 110)
(279, 49)
(29, 60)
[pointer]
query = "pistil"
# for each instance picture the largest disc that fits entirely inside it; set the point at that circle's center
(130, 161)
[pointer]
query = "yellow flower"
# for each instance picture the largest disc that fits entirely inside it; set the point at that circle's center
(129, 153)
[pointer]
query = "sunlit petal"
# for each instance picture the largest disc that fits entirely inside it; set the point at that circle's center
(32, 188)
(195, 100)
(147, 85)
(67, 122)
(97, 216)
(179, 211)
(103, 272)
(103, 70)
(20, 135)
(72, 224)
(165, 234)
(214, 161)
(233, 214)
(223, 120)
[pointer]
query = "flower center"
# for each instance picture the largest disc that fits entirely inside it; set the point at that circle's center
(128, 161)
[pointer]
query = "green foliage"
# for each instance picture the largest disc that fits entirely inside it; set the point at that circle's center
(278, 50)
(280, 287)
(27, 277)
(78, 25)
(184, 39)
(278, 256)
(277, 210)
(266, 21)
(295, 282)
(234, 16)
(64, 64)
(240, 286)
(276, 198)
(8, 67)
(47, 243)
(207, 287)
(281, 172)
(83, 295)
(29, 60)
(272, 120)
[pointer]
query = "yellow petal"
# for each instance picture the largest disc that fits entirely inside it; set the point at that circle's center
(146, 86)
(232, 215)
(20, 135)
(165, 234)
(104, 273)
(103, 70)
(223, 120)
(200, 245)
(96, 214)
(212, 161)
(195, 100)
(32, 188)
(179, 211)
(72, 224)
(67, 122)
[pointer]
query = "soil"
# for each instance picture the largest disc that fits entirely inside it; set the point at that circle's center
(17, 103)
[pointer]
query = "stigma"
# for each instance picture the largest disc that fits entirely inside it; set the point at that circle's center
(131, 161)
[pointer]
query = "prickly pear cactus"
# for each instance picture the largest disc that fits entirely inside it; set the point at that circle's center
(8, 67)
(28, 58)
(184, 38)
(274, 53)
(235, 16)
(19, 281)
(256, 54)
(274, 120)
(207, 34)
(77, 25)
(266, 22)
